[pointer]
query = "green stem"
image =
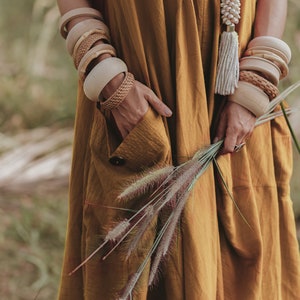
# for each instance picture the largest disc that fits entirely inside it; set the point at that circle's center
(290, 128)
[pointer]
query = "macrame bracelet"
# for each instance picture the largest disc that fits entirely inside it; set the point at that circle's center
(101, 75)
(270, 89)
(272, 42)
(75, 13)
(85, 46)
(92, 54)
(261, 65)
(250, 97)
(81, 30)
(120, 94)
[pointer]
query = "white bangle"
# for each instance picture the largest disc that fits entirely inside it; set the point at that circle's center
(101, 75)
(250, 97)
(84, 28)
(75, 13)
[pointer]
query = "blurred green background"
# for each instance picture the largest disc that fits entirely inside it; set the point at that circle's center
(37, 107)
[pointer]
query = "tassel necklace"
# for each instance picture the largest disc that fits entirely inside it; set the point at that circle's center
(228, 60)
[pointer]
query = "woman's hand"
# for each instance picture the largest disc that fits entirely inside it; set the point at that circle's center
(235, 126)
(135, 105)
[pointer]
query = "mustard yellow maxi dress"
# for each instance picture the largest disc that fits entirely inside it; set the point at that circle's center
(171, 46)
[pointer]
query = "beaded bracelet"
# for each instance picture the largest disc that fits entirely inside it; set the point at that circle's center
(120, 94)
(269, 89)
(101, 75)
(82, 29)
(86, 45)
(261, 65)
(250, 97)
(92, 54)
(75, 13)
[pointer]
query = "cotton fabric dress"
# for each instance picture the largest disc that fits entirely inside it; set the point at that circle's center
(172, 47)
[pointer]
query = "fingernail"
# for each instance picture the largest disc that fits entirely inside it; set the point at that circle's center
(168, 112)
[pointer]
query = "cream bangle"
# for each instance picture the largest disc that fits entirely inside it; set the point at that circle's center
(82, 30)
(92, 54)
(120, 94)
(250, 97)
(265, 67)
(278, 61)
(261, 49)
(75, 13)
(272, 42)
(101, 75)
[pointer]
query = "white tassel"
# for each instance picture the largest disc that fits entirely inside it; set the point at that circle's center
(228, 60)
(228, 63)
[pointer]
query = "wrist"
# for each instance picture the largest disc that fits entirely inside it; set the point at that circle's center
(113, 85)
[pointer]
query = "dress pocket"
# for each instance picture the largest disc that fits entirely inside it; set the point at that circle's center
(146, 145)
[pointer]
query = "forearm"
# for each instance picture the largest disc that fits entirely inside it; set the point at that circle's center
(270, 18)
(66, 5)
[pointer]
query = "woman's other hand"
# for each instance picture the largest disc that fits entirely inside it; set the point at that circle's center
(235, 126)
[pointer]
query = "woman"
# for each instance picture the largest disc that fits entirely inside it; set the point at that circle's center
(171, 48)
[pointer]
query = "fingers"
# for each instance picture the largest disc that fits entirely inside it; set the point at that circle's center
(235, 127)
(158, 105)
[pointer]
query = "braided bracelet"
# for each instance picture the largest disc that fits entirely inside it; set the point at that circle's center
(75, 13)
(92, 54)
(86, 45)
(120, 94)
(270, 89)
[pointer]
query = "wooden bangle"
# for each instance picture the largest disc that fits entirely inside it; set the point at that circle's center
(278, 61)
(81, 49)
(101, 75)
(250, 97)
(120, 94)
(272, 42)
(260, 49)
(75, 13)
(92, 54)
(81, 30)
(269, 89)
(261, 65)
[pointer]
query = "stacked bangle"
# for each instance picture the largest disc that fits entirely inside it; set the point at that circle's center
(92, 54)
(120, 94)
(83, 29)
(85, 46)
(263, 66)
(265, 62)
(75, 13)
(270, 43)
(101, 75)
(250, 97)
(269, 89)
